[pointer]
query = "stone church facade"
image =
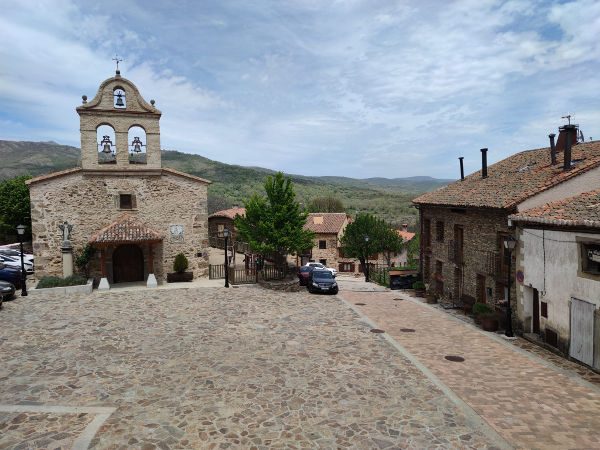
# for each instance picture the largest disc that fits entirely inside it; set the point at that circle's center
(135, 213)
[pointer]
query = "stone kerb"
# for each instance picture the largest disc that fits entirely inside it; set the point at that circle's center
(280, 285)
(84, 289)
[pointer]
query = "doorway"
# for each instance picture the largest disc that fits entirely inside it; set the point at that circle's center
(536, 312)
(128, 264)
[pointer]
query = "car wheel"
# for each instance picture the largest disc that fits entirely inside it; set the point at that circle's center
(335, 291)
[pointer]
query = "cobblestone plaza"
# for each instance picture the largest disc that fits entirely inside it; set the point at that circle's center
(237, 368)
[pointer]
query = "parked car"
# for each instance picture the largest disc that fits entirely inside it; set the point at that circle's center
(14, 262)
(303, 274)
(322, 280)
(27, 257)
(7, 291)
(317, 265)
(10, 274)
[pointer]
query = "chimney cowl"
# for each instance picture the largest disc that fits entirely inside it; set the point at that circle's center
(462, 168)
(484, 168)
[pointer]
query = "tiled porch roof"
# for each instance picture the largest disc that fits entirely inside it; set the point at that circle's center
(125, 229)
(230, 213)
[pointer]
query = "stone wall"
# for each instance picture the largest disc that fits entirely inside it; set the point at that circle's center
(330, 253)
(90, 202)
(480, 250)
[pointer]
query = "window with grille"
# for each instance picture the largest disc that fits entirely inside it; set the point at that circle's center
(126, 201)
(322, 245)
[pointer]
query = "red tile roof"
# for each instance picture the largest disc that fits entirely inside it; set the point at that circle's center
(513, 179)
(582, 210)
(325, 222)
(125, 229)
(405, 235)
(229, 213)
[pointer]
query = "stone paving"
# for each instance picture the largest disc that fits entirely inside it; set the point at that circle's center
(529, 401)
(217, 368)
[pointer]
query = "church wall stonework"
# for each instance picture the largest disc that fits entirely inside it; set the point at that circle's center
(90, 202)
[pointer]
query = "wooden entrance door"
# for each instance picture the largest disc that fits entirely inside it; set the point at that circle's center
(536, 311)
(128, 264)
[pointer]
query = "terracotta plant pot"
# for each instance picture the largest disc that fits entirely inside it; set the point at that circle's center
(176, 277)
(489, 323)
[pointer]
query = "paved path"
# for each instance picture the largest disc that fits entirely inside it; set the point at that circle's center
(529, 403)
(215, 368)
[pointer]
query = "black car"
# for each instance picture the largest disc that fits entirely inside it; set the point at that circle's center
(320, 280)
(7, 290)
(10, 274)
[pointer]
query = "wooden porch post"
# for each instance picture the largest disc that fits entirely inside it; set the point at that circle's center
(150, 259)
(102, 262)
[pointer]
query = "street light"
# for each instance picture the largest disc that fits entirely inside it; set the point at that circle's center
(20, 233)
(509, 244)
(367, 259)
(226, 234)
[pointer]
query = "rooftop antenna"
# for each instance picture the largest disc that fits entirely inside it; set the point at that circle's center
(118, 60)
(568, 116)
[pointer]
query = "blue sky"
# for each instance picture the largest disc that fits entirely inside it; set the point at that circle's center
(355, 88)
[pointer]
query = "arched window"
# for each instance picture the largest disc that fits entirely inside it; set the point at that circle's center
(107, 145)
(120, 102)
(136, 139)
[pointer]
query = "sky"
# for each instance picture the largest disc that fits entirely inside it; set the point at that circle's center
(373, 88)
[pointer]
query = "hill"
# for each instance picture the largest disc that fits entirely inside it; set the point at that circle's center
(389, 199)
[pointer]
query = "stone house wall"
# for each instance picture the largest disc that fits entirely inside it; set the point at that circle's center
(481, 251)
(330, 253)
(90, 202)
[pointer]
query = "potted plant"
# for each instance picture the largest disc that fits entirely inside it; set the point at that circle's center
(485, 316)
(179, 273)
(431, 295)
(419, 288)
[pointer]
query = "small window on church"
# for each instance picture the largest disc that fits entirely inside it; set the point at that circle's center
(126, 201)
(119, 98)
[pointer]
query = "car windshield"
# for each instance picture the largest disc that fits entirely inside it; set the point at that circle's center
(325, 274)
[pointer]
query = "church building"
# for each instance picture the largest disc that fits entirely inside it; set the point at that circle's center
(136, 214)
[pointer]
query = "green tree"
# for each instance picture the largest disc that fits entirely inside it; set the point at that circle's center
(326, 204)
(15, 208)
(392, 243)
(274, 224)
(363, 237)
(413, 249)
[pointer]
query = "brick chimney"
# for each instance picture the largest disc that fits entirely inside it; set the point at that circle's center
(552, 148)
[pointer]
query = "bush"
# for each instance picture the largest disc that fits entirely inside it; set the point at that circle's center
(83, 259)
(52, 282)
(418, 285)
(181, 263)
(480, 309)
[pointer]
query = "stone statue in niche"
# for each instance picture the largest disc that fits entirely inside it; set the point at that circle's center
(66, 229)
(176, 232)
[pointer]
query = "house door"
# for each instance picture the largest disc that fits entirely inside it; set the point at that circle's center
(128, 264)
(582, 331)
(480, 288)
(536, 311)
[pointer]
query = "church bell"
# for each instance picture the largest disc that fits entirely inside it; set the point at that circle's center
(137, 144)
(120, 100)
(106, 143)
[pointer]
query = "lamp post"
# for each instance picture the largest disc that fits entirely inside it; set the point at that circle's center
(226, 234)
(509, 244)
(20, 233)
(367, 258)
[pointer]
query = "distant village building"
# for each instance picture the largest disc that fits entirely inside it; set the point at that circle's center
(558, 275)
(135, 213)
(464, 225)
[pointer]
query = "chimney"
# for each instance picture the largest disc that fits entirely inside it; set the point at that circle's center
(552, 148)
(567, 163)
(462, 168)
(404, 227)
(484, 162)
(570, 130)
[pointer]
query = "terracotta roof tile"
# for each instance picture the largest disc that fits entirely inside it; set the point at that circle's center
(514, 179)
(125, 229)
(52, 175)
(325, 222)
(580, 210)
(229, 213)
(406, 235)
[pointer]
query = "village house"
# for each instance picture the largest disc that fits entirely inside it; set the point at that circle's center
(464, 225)
(558, 275)
(135, 213)
(328, 229)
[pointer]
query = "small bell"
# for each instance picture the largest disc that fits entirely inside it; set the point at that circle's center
(120, 103)
(106, 144)
(137, 144)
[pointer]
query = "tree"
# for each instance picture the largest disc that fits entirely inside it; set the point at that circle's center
(413, 249)
(84, 259)
(355, 243)
(326, 204)
(392, 243)
(15, 208)
(274, 224)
